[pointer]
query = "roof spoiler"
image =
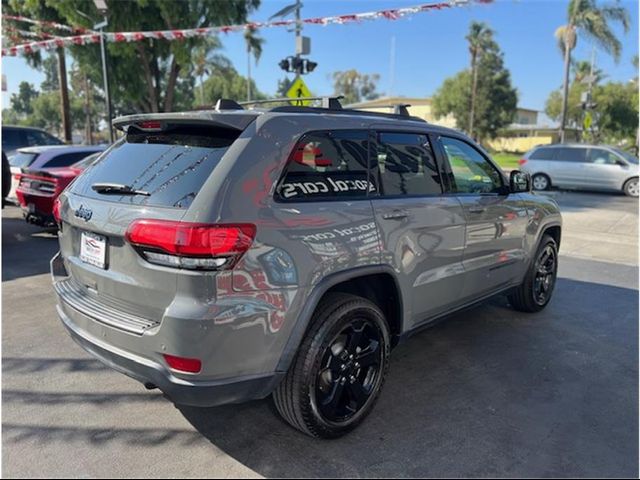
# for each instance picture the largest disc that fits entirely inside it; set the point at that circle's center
(158, 121)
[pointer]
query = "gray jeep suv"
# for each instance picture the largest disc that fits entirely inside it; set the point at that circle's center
(226, 255)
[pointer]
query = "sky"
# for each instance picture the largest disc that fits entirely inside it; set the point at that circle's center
(429, 47)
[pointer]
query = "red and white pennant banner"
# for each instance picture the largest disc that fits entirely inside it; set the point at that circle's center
(90, 38)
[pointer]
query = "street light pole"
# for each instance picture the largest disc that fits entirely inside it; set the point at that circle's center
(100, 26)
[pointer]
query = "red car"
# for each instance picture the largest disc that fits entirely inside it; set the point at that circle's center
(38, 189)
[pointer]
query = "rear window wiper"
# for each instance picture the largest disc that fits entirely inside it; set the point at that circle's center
(117, 189)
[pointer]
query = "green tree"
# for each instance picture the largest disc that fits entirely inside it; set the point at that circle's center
(21, 102)
(496, 98)
(283, 87)
(617, 112)
(49, 67)
(150, 75)
(254, 47)
(582, 71)
(480, 38)
(587, 18)
(227, 83)
(355, 86)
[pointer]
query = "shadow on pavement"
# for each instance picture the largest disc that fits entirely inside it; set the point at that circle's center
(26, 249)
(134, 437)
(19, 365)
(575, 200)
(488, 392)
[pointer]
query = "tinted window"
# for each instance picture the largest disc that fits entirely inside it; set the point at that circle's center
(571, 154)
(472, 172)
(172, 166)
(22, 159)
(543, 154)
(87, 161)
(11, 139)
(627, 156)
(405, 165)
(35, 137)
(327, 165)
(66, 159)
(600, 156)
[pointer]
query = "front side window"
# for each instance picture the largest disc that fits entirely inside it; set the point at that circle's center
(327, 164)
(472, 172)
(598, 156)
(405, 165)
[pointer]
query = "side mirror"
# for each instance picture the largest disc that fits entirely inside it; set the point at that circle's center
(519, 181)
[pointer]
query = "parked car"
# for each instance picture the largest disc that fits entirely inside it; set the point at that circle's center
(593, 167)
(14, 137)
(226, 255)
(38, 189)
(6, 178)
(38, 158)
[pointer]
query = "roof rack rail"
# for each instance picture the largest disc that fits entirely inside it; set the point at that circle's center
(332, 103)
(398, 108)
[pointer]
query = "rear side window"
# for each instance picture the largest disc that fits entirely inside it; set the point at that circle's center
(575, 155)
(406, 165)
(543, 154)
(327, 164)
(66, 159)
(22, 159)
(171, 165)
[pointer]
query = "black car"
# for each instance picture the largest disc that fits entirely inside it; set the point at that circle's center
(14, 137)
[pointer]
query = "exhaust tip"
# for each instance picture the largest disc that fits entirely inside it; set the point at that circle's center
(150, 386)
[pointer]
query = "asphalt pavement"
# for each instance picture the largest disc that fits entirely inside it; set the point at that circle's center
(489, 392)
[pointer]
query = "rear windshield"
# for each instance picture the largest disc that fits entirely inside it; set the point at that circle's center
(22, 159)
(171, 166)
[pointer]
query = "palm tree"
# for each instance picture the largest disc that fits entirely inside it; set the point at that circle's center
(479, 37)
(254, 45)
(582, 72)
(587, 18)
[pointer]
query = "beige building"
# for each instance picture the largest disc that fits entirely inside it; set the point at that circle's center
(522, 135)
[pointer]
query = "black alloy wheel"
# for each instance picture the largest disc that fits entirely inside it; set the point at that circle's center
(349, 371)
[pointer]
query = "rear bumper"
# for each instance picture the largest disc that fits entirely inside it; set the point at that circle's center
(134, 360)
(179, 391)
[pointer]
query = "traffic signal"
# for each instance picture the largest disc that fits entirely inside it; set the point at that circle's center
(298, 65)
(284, 64)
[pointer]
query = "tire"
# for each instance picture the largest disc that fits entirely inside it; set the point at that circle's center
(540, 182)
(631, 187)
(327, 363)
(536, 290)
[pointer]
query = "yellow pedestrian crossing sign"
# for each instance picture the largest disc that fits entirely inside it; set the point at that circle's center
(299, 89)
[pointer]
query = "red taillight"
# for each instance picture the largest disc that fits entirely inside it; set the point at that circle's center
(191, 245)
(149, 125)
(522, 161)
(56, 210)
(189, 365)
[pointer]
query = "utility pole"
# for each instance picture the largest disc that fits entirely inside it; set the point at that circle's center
(392, 65)
(101, 5)
(298, 37)
(64, 95)
(88, 128)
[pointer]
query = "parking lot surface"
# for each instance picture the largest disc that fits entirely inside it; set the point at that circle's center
(489, 392)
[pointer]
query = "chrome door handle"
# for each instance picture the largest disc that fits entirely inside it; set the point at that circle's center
(477, 209)
(395, 215)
